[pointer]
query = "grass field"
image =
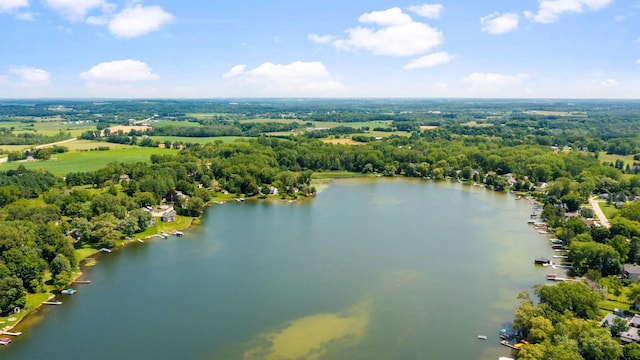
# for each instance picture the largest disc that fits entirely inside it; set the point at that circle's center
(89, 160)
(611, 158)
(175, 123)
(196, 140)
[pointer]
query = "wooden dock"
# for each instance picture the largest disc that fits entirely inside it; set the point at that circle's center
(10, 333)
(508, 344)
(81, 282)
(52, 303)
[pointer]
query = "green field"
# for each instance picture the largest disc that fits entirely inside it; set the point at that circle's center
(175, 123)
(89, 160)
(611, 158)
(196, 140)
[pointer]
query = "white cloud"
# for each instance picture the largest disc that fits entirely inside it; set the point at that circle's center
(498, 24)
(235, 71)
(28, 77)
(120, 71)
(139, 20)
(76, 10)
(389, 17)
(25, 16)
(321, 39)
(607, 83)
(429, 60)
(495, 80)
(550, 10)
(298, 78)
(638, 62)
(12, 5)
(431, 11)
(398, 35)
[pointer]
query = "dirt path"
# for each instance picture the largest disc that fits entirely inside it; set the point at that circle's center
(596, 209)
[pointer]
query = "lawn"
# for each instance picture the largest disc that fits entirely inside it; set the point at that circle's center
(75, 161)
(611, 158)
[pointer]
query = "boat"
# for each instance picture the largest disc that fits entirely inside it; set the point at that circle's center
(482, 337)
(68, 291)
(505, 358)
(551, 276)
(542, 261)
(140, 240)
(105, 250)
(5, 341)
(177, 233)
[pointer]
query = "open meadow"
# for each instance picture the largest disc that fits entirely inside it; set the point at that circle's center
(74, 161)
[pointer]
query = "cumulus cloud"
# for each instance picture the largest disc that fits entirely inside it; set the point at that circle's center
(495, 80)
(120, 71)
(298, 78)
(550, 10)
(396, 34)
(607, 83)
(321, 39)
(28, 77)
(498, 24)
(12, 5)
(431, 11)
(139, 20)
(429, 60)
(77, 10)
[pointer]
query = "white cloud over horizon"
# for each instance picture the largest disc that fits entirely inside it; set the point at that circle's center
(549, 11)
(495, 79)
(297, 78)
(28, 77)
(139, 20)
(119, 71)
(499, 24)
(431, 11)
(430, 60)
(396, 34)
(321, 39)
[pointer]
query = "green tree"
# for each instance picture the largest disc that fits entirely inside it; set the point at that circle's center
(61, 271)
(12, 294)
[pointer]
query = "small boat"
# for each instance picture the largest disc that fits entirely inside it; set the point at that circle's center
(551, 276)
(68, 291)
(140, 240)
(105, 250)
(5, 341)
(177, 233)
(482, 337)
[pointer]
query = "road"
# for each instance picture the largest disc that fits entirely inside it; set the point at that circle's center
(599, 214)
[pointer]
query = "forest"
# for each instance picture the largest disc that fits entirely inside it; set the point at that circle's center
(552, 151)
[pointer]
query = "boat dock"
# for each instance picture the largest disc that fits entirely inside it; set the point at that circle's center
(509, 345)
(81, 282)
(10, 333)
(52, 303)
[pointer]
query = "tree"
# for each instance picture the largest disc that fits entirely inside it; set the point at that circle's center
(60, 271)
(631, 352)
(572, 296)
(523, 317)
(541, 329)
(597, 344)
(12, 294)
(619, 326)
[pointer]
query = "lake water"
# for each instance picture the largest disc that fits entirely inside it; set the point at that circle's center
(382, 269)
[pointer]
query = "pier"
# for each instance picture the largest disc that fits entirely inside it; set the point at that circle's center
(10, 333)
(81, 282)
(52, 303)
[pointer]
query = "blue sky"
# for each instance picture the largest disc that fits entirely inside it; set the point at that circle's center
(288, 48)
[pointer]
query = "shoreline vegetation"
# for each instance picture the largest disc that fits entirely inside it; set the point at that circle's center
(562, 153)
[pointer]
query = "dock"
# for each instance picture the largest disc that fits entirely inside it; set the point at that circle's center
(81, 282)
(52, 303)
(509, 345)
(10, 333)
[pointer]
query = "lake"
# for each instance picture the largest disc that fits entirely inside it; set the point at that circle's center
(368, 269)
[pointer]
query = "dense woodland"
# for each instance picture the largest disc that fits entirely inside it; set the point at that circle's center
(548, 150)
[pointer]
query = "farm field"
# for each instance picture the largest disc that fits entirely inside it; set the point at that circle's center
(89, 160)
(196, 140)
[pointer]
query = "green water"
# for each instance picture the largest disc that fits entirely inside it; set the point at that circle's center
(385, 269)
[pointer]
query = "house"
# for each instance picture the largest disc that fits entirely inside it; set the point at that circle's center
(631, 272)
(169, 216)
(631, 334)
